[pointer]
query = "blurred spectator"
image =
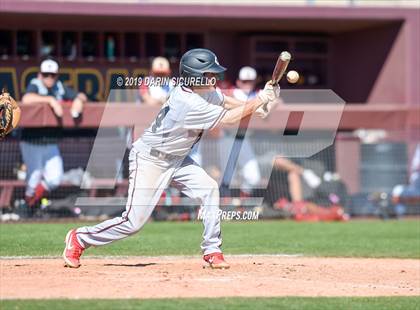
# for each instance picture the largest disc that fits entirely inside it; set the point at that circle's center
(39, 146)
(245, 84)
(311, 212)
(110, 48)
(294, 175)
(242, 154)
(404, 195)
(69, 49)
(46, 49)
(300, 209)
(226, 87)
(155, 95)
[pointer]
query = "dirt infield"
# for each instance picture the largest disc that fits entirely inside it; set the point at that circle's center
(162, 277)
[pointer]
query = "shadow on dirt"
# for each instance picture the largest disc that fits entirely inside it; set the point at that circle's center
(130, 265)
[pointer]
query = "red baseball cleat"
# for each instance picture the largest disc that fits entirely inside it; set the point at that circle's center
(72, 251)
(216, 261)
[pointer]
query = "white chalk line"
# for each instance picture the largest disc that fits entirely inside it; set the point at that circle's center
(165, 257)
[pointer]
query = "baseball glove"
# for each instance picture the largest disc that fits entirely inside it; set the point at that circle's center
(8, 109)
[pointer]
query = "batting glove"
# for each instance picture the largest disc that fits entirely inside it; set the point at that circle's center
(270, 97)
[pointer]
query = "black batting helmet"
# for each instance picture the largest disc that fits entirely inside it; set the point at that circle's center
(198, 61)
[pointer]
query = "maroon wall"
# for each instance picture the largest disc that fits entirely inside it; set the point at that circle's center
(360, 56)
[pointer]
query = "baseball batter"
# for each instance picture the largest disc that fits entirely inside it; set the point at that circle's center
(160, 157)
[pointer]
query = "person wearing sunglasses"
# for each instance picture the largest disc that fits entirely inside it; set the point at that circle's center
(39, 145)
(47, 88)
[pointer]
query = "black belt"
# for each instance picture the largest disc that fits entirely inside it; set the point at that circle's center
(163, 156)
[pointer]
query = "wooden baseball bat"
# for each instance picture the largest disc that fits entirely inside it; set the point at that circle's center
(281, 66)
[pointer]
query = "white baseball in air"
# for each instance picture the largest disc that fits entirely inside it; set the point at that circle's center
(293, 77)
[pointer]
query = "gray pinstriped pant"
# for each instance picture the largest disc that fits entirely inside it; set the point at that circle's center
(149, 176)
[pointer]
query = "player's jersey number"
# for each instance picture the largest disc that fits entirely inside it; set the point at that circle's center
(159, 118)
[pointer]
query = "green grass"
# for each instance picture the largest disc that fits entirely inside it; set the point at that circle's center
(290, 303)
(352, 239)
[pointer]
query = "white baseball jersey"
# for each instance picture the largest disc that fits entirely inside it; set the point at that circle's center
(178, 125)
(182, 119)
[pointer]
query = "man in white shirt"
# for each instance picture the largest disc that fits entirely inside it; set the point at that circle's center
(245, 160)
